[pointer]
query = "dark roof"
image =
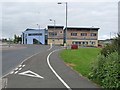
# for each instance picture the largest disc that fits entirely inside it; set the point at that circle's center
(79, 28)
(55, 27)
(28, 29)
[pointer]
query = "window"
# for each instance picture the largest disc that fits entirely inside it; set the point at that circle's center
(60, 31)
(83, 42)
(79, 43)
(52, 33)
(83, 34)
(73, 34)
(74, 42)
(93, 43)
(93, 34)
(35, 34)
(86, 42)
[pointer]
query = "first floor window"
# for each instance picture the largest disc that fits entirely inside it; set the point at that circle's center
(83, 34)
(93, 34)
(73, 34)
(52, 33)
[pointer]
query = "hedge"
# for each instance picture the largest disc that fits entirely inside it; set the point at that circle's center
(106, 71)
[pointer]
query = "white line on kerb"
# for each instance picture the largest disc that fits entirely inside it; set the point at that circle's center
(48, 61)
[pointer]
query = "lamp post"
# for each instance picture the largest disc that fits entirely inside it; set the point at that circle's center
(65, 31)
(38, 26)
(38, 34)
(54, 30)
(9, 42)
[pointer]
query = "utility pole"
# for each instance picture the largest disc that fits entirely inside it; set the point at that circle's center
(54, 30)
(65, 32)
(39, 29)
(9, 42)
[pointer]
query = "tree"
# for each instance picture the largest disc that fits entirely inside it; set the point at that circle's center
(113, 47)
(17, 39)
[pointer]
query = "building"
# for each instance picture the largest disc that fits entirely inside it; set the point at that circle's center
(82, 36)
(55, 34)
(75, 35)
(105, 42)
(33, 36)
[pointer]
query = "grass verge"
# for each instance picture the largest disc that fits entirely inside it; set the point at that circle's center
(81, 59)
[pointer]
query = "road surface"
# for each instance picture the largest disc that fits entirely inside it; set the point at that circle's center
(14, 55)
(46, 70)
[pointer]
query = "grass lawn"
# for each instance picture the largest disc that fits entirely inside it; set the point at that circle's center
(81, 59)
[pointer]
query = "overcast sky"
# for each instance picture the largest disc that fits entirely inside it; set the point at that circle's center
(18, 16)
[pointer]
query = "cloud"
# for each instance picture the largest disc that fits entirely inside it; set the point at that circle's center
(17, 16)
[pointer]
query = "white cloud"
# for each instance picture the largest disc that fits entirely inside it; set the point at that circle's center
(59, 0)
(105, 37)
(18, 16)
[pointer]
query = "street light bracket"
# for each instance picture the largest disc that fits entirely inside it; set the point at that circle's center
(59, 3)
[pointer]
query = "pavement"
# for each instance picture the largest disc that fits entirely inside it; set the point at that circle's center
(46, 70)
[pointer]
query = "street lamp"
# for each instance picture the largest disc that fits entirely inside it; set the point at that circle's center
(38, 26)
(9, 42)
(54, 30)
(65, 31)
(40, 32)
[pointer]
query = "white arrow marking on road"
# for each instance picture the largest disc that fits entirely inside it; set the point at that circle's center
(31, 74)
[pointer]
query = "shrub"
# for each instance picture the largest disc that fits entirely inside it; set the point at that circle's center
(113, 47)
(106, 71)
(108, 49)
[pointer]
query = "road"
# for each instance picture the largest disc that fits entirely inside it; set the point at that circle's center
(14, 55)
(46, 70)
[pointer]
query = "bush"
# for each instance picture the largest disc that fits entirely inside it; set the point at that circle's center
(106, 71)
(108, 49)
(113, 47)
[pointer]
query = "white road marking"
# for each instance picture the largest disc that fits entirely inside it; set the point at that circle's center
(23, 62)
(50, 47)
(20, 69)
(20, 65)
(4, 83)
(31, 74)
(16, 72)
(48, 61)
(12, 72)
(23, 65)
(16, 68)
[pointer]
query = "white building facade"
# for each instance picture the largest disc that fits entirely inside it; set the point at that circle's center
(33, 36)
